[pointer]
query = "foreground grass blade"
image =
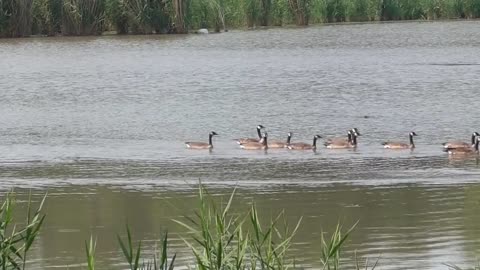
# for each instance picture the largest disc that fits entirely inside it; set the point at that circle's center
(90, 248)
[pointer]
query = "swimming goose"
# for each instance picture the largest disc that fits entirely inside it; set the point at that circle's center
(343, 139)
(339, 139)
(202, 145)
(305, 146)
(256, 145)
(401, 145)
(464, 150)
(340, 143)
(247, 140)
(280, 144)
(460, 144)
(350, 142)
(355, 134)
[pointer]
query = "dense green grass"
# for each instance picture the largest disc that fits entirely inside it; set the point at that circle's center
(20, 18)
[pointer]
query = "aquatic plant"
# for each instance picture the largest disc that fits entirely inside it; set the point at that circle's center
(83, 17)
(222, 240)
(15, 18)
(330, 252)
(46, 17)
(90, 248)
(133, 255)
(20, 18)
(15, 241)
(117, 15)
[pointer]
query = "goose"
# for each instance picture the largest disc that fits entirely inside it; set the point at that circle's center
(280, 144)
(256, 145)
(202, 145)
(401, 145)
(460, 144)
(248, 140)
(305, 146)
(464, 150)
(355, 134)
(340, 143)
(343, 139)
(350, 142)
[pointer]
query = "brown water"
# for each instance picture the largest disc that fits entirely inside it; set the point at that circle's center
(100, 123)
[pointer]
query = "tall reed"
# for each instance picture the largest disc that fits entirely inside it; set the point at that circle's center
(117, 15)
(20, 18)
(301, 10)
(136, 261)
(90, 248)
(43, 20)
(223, 240)
(16, 18)
(83, 17)
(16, 241)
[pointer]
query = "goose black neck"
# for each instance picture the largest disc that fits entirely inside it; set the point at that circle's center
(210, 136)
(349, 136)
(476, 143)
(473, 139)
(411, 141)
(259, 133)
(314, 141)
(289, 138)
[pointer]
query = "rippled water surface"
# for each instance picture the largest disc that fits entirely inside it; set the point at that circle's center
(100, 123)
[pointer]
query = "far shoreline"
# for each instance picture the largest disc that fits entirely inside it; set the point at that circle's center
(113, 33)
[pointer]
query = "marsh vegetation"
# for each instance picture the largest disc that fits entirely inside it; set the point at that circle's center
(19, 18)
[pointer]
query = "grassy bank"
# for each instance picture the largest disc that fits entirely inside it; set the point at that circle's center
(20, 18)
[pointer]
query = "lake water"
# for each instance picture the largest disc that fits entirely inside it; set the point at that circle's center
(99, 123)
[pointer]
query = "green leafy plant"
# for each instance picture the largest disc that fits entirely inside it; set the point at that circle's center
(15, 242)
(90, 248)
(133, 255)
(222, 240)
(330, 253)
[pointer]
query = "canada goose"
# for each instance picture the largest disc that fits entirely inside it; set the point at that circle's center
(256, 145)
(343, 139)
(340, 143)
(248, 140)
(304, 146)
(350, 142)
(280, 144)
(202, 145)
(355, 134)
(400, 145)
(460, 144)
(464, 150)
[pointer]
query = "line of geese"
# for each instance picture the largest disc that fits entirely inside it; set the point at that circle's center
(350, 141)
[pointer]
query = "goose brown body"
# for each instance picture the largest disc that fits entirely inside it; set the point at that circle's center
(343, 139)
(252, 140)
(349, 142)
(202, 145)
(460, 144)
(280, 144)
(468, 150)
(401, 145)
(256, 145)
(305, 146)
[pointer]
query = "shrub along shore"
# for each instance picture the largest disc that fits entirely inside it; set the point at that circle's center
(23, 18)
